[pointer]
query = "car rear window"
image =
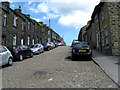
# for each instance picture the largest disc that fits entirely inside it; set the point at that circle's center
(84, 45)
(16, 48)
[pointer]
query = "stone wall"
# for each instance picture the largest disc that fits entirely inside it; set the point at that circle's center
(119, 29)
(114, 14)
(0, 24)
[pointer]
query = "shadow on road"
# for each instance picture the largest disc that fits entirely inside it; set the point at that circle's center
(69, 58)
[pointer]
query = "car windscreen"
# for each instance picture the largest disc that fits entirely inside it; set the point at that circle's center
(36, 46)
(32, 46)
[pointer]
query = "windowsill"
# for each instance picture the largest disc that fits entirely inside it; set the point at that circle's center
(5, 27)
(14, 26)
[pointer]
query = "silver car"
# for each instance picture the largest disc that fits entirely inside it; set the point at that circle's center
(37, 48)
(5, 56)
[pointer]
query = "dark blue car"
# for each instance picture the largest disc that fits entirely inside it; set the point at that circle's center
(47, 46)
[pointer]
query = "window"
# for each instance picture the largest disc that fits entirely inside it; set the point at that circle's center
(4, 49)
(14, 40)
(33, 28)
(106, 30)
(48, 32)
(102, 38)
(15, 21)
(22, 41)
(97, 40)
(23, 26)
(96, 18)
(37, 40)
(99, 37)
(24, 47)
(28, 40)
(33, 41)
(102, 13)
(90, 38)
(48, 39)
(28, 25)
(5, 20)
(92, 23)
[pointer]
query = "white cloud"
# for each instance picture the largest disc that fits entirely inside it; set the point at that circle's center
(29, 2)
(70, 12)
(37, 19)
(43, 7)
(77, 19)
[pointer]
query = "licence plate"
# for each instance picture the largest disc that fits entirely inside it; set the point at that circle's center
(82, 50)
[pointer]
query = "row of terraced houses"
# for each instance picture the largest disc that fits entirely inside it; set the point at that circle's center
(102, 31)
(17, 28)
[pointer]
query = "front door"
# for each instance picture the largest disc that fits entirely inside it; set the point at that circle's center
(3, 42)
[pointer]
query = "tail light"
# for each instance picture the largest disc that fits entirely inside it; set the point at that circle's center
(16, 51)
(90, 51)
(73, 50)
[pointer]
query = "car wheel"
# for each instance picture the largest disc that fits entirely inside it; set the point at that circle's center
(21, 57)
(10, 61)
(73, 57)
(31, 54)
(48, 49)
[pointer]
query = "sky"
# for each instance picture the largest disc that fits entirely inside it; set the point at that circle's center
(67, 17)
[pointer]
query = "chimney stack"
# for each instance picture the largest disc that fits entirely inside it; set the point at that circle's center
(19, 9)
(28, 15)
(41, 22)
(6, 3)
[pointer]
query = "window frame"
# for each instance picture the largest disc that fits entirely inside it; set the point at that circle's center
(15, 21)
(5, 20)
(102, 14)
(103, 39)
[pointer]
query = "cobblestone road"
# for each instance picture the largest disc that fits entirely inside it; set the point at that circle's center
(55, 69)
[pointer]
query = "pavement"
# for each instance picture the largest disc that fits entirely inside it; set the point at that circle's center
(109, 65)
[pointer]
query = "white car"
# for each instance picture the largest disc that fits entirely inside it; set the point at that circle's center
(5, 56)
(37, 48)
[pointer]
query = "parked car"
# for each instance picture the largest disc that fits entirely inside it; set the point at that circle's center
(74, 42)
(5, 56)
(37, 48)
(59, 44)
(52, 45)
(56, 44)
(20, 52)
(47, 46)
(81, 49)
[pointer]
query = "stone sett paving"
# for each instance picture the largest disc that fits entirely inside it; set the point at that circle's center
(55, 69)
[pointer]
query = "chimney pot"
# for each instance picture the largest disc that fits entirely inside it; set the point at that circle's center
(19, 9)
(6, 3)
(28, 15)
(41, 22)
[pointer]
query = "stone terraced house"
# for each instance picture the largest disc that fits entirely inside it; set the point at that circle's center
(17, 28)
(103, 30)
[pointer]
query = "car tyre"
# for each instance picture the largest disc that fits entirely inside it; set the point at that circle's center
(73, 57)
(48, 49)
(10, 61)
(31, 54)
(21, 57)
